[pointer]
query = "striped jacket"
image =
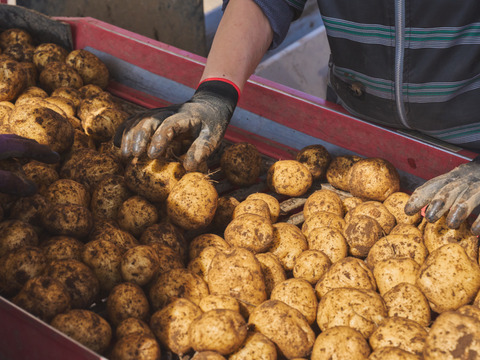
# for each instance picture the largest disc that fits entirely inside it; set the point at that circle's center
(411, 64)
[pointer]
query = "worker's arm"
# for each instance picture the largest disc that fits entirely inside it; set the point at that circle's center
(242, 38)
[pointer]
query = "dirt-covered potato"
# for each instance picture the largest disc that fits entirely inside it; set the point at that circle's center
(200, 264)
(252, 206)
(377, 211)
(43, 297)
(211, 302)
(397, 246)
(373, 179)
(108, 195)
(224, 214)
(91, 69)
(66, 105)
(454, 335)
(288, 242)
(272, 270)
(328, 240)
(192, 202)
(236, 272)
(6, 108)
(311, 265)
(69, 93)
(19, 266)
(67, 191)
(30, 209)
(102, 123)
(272, 202)
(321, 219)
(285, 326)
(62, 247)
(86, 327)
(323, 200)
(289, 177)
(200, 242)
(174, 284)
(54, 130)
(48, 52)
(316, 158)
(21, 52)
(12, 79)
(207, 355)
(133, 325)
(165, 233)
(57, 74)
(340, 342)
(136, 214)
(127, 300)
(395, 203)
(250, 231)
(391, 272)
(168, 259)
(406, 229)
(256, 346)
(360, 309)
(399, 332)
(338, 172)
(350, 202)
(43, 175)
(449, 278)
(29, 93)
(220, 330)
(123, 239)
(68, 219)
(392, 353)
(300, 295)
(79, 280)
(15, 234)
(241, 163)
(132, 346)
(139, 264)
(15, 36)
(361, 233)
(349, 272)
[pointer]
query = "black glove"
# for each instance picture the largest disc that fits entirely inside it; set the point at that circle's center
(457, 191)
(13, 146)
(207, 114)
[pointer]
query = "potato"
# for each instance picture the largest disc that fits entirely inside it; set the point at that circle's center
(170, 324)
(139, 264)
(299, 294)
(316, 158)
(272, 270)
(132, 346)
(102, 123)
(321, 219)
(391, 272)
(340, 342)
(200, 264)
(241, 163)
(131, 326)
(15, 234)
(43, 175)
(192, 202)
(395, 204)
(15, 36)
(393, 353)
(397, 246)
(438, 233)
(202, 241)
(19, 266)
(30, 73)
(79, 280)
(91, 69)
(69, 93)
(250, 231)
(86, 327)
(62, 247)
(207, 355)
(68, 219)
(236, 272)
(57, 74)
(454, 335)
(323, 200)
(43, 297)
(252, 206)
(30, 210)
(12, 79)
(117, 236)
(449, 278)
(360, 309)
(54, 130)
(66, 105)
(224, 213)
(256, 346)
(46, 53)
(377, 211)
(66, 191)
(330, 241)
(288, 243)
(289, 177)
(361, 233)
(220, 330)
(6, 108)
(177, 283)
(21, 52)
(136, 214)
(167, 258)
(406, 229)
(339, 170)
(272, 202)
(399, 332)
(30, 93)
(165, 233)
(311, 265)
(127, 300)
(285, 326)
(153, 178)
(108, 195)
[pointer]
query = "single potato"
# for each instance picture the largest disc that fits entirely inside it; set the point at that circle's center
(288, 242)
(250, 231)
(316, 158)
(289, 177)
(340, 342)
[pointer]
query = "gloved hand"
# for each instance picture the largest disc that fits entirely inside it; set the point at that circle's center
(13, 146)
(457, 191)
(207, 114)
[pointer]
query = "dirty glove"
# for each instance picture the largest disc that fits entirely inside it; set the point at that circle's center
(207, 114)
(14, 146)
(457, 191)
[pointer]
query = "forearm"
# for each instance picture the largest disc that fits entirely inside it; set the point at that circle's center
(242, 38)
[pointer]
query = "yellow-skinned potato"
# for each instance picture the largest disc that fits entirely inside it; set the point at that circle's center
(391, 272)
(62, 247)
(30, 93)
(316, 158)
(41, 174)
(171, 323)
(69, 93)
(202, 241)
(12, 79)
(321, 219)
(323, 200)
(57, 74)
(272, 270)
(108, 195)
(339, 170)
(288, 243)
(127, 300)
(66, 105)
(15, 234)
(220, 330)
(285, 326)
(272, 202)
(207, 355)
(395, 203)
(252, 206)
(256, 346)
(21, 52)
(349, 272)
(68, 219)
(130, 346)
(361, 233)
(340, 342)
(224, 214)
(406, 229)
(211, 302)
(200, 264)
(86, 327)
(139, 264)
(330, 241)
(241, 163)
(168, 258)
(350, 202)
(15, 36)
(311, 265)
(91, 69)
(393, 353)
(123, 239)
(289, 177)
(102, 124)
(133, 325)
(165, 233)
(29, 209)
(377, 211)
(136, 214)
(250, 231)
(66, 191)
(48, 52)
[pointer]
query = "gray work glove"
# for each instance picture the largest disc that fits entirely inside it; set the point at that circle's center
(457, 191)
(13, 146)
(207, 114)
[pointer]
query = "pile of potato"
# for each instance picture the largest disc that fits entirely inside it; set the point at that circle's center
(135, 258)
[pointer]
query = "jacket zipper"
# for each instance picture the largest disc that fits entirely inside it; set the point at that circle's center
(399, 57)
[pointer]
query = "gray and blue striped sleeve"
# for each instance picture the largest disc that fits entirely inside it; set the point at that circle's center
(280, 14)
